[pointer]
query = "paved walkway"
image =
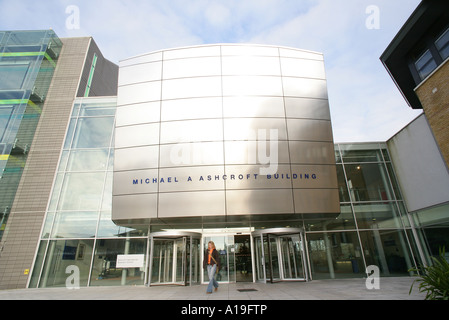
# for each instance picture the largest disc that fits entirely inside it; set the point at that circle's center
(347, 289)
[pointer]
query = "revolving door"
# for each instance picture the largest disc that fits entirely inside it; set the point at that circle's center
(174, 258)
(280, 255)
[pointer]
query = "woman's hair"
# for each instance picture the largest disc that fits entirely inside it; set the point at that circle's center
(212, 243)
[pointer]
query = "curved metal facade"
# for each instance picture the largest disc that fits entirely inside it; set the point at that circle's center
(223, 130)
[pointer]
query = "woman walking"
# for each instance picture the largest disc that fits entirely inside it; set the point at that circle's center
(212, 263)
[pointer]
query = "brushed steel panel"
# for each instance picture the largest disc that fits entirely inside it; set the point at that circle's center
(136, 206)
(252, 86)
(138, 93)
(302, 68)
(191, 179)
(273, 201)
(191, 154)
(191, 88)
(251, 66)
(136, 158)
(253, 107)
(249, 177)
(135, 182)
(192, 204)
(199, 51)
(301, 54)
(145, 58)
(305, 152)
(195, 108)
(249, 50)
(193, 67)
(307, 108)
(138, 113)
(138, 135)
(314, 176)
(250, 152)
(192, 131)
(254, 129)
(312, 130)
(302, 87)
(140, 73)
(316, 201)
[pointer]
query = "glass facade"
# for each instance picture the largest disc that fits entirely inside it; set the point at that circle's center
(27, 63)
(78, 229)
(372, 228)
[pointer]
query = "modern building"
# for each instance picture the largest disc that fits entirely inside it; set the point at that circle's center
(418, 62)
(40, 76)
(229, 143)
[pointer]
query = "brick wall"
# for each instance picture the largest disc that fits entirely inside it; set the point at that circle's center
(434, 96)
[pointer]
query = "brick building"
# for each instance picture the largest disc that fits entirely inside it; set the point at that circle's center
(417, 60)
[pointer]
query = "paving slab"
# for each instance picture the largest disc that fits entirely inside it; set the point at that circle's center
(338, 289)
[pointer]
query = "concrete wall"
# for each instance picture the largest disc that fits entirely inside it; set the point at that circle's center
(419, 166)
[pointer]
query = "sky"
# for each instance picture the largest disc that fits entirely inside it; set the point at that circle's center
(352, 34)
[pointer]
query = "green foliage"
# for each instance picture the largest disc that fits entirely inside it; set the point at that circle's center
(434, 279)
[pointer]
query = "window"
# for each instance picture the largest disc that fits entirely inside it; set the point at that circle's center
(425, 64)
(5, 116)
(13, 75)
(442, 45)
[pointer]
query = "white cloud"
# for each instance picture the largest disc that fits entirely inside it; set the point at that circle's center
(365, 103)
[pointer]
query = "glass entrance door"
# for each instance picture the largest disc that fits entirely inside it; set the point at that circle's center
(169, 261)
(292, 257)
(174, 259)
(243, 261)
(280, 255)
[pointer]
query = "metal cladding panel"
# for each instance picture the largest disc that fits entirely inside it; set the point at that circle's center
(223, 130)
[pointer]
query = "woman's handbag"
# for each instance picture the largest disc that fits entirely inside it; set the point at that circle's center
(216, 270)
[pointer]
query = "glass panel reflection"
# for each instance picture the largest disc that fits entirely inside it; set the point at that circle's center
(76, 224)
(335, 255)
(88, 160)
(62, 254)
(388, 250)
(377, 215)
(82, 191)
(105, 271)
(93, 132)
(368, 182)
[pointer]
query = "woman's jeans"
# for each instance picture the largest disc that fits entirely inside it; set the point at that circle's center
(211, 273)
